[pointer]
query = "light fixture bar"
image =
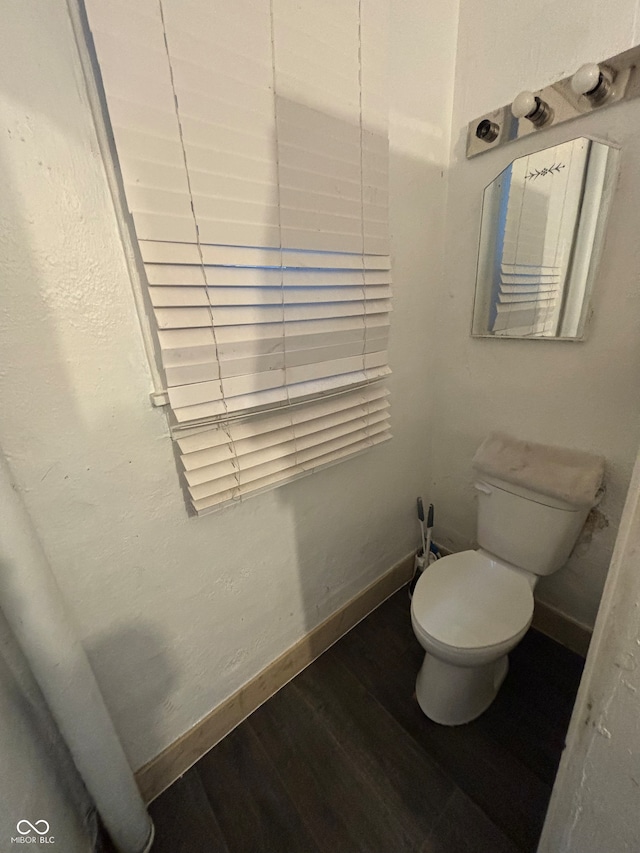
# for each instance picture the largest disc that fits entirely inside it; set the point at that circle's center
(592, 87)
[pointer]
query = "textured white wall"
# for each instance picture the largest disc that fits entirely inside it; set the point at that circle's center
(176, 613)
(594, 806)
(579, 395)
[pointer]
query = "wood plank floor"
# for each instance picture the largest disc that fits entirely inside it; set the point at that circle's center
(342, 760)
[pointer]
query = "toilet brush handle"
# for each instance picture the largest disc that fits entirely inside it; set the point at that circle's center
(421, 518)
(427, 547)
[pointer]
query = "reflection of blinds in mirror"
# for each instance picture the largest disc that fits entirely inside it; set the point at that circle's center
(252, 141)
(539, 216)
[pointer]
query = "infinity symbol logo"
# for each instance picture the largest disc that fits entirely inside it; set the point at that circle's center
(32, 827)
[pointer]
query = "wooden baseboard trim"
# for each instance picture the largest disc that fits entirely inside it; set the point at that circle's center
(561, 628)
(155, 776)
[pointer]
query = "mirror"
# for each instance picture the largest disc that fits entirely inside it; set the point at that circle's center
(543, 223)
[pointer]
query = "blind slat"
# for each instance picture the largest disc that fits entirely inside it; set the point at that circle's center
(222, 460)
(200, 438)
(290, 458)
(204, 505)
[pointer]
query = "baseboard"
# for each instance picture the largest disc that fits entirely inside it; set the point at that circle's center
(561, 628)
(179, 756)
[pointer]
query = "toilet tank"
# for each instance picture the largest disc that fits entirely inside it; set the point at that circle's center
(528, 530)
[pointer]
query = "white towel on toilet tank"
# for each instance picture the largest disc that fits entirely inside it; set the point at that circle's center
(569, 475)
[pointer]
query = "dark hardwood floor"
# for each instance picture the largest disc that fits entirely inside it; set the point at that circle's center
(342, 759)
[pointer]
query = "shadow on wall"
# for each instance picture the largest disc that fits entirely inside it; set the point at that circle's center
(355, 520)
(132, 664)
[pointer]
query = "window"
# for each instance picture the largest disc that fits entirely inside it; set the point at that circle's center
(252, 142)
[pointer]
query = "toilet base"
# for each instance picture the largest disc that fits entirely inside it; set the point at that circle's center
(452, 695)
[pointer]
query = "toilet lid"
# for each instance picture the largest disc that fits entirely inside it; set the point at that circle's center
(469, 600)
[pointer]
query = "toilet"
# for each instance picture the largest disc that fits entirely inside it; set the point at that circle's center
(470, 609)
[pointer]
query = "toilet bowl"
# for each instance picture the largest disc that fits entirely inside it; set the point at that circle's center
(468, 611)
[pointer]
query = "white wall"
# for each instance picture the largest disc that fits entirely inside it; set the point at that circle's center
(176, 613)
(38, 780)
(580, 395)
(594, 805)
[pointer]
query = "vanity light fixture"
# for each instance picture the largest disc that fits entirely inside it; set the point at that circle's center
(593, 81)
(528, 105)
(592, 87)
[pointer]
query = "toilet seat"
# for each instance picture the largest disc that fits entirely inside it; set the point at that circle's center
(471, 600)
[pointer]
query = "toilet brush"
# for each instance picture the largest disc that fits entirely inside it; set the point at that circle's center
(421, 560)
(421, 518)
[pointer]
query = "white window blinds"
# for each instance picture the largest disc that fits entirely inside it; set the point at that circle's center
(252, 141)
